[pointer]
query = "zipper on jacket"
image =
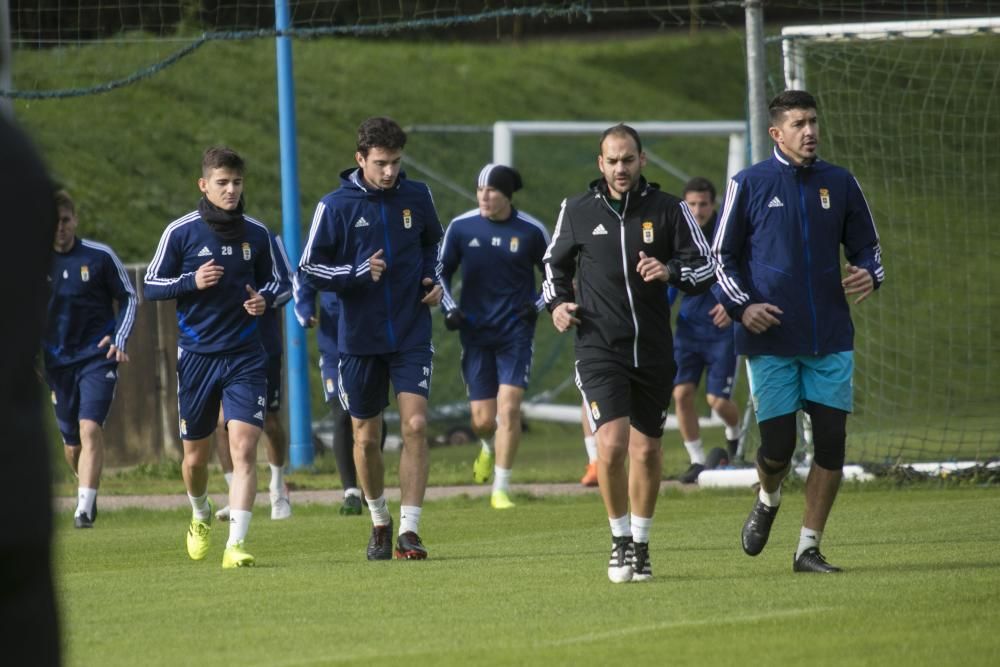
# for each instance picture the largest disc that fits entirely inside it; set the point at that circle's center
(385, 278)
(628, 287)
(805, 238)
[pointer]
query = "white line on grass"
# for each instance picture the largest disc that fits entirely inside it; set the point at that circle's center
(668, 625)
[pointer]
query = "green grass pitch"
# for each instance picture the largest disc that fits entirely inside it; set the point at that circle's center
(529, 586)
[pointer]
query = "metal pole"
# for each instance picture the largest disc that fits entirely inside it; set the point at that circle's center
(6, 62)
(300, 448)
(760, 143)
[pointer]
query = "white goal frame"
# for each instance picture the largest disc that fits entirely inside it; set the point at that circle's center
(795, 38)
(504, 132)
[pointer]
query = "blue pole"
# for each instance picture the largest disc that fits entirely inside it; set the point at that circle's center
(299, 421)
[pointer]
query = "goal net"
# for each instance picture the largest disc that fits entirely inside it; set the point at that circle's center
(912, 108)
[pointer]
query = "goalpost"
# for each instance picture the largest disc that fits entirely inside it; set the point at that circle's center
(912, 108)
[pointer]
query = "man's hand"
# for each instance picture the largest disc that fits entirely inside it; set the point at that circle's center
(432, 292)
(376, 265)
(562, 316)
(858, 281)
(255, 305)
(759, 317)
(454, 320)
(310, 323)
(113, 351)
(208, 274)
(720, 317)
(651, 268)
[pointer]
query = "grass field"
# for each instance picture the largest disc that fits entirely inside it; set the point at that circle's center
(529, 587)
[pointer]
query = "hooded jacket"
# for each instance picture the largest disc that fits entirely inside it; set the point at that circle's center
(620, 314)
(349, 226)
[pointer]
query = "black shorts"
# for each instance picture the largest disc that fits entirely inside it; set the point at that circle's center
(613, 389)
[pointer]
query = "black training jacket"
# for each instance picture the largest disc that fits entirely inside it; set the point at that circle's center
(621, 316)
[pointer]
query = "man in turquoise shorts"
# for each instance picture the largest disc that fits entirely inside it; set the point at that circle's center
(778, 248)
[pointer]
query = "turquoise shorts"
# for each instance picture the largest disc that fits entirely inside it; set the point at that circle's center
(782, 385)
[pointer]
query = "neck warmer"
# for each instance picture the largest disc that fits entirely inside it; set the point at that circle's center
(228, 225)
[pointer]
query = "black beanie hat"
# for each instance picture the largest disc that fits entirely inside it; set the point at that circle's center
(504, 179)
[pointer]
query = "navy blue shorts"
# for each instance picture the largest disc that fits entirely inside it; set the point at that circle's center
(364, 380)
(612, 389)
(718, 357)
(485, 368)
(238, 381)
(273, 382)
(328, 371)
(82, 391)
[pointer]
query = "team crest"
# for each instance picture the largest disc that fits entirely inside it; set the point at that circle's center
(647, 231)
(824, 198)
(513, 244)
(594, 411)
(65, 274)
(184, 427)
(246, 251)
(85, 273)
(54, 400)
(407, 218)
(329, 385)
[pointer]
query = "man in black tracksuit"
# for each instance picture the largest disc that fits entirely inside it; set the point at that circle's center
(624, 239)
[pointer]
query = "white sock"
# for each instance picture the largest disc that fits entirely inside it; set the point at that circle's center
(379, 509)
(409, 519)
(352, 491)
(487, 445)
(229, 479)
(501, 478)
(808, 538)
(640, 528)
(770, 499)
(85, 501)
(277, 479)
(620, 526)
(733, 432)
(695, 451)
(590, 442)
(239, 525)
(201, 510)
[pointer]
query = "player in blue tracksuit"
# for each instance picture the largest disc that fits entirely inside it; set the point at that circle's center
(374, 242)
(703, 343)
(780, 233)
(218, 264)
(84, 343)
(498, 248)
(277, 440)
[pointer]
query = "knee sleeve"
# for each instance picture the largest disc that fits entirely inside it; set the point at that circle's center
(829, 435)
(777, 442)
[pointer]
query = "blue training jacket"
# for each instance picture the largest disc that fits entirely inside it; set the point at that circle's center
(85, 282)
(213, 320)
(326, 325)
(270, 321)
(349, 226)
(779, 241)
(498, 261)
(694, 325)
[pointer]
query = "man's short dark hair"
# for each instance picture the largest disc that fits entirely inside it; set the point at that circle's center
(63, 200)
(221, 157)
(699, 184)
(788, 100)
(380, 132)
(620, 130)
